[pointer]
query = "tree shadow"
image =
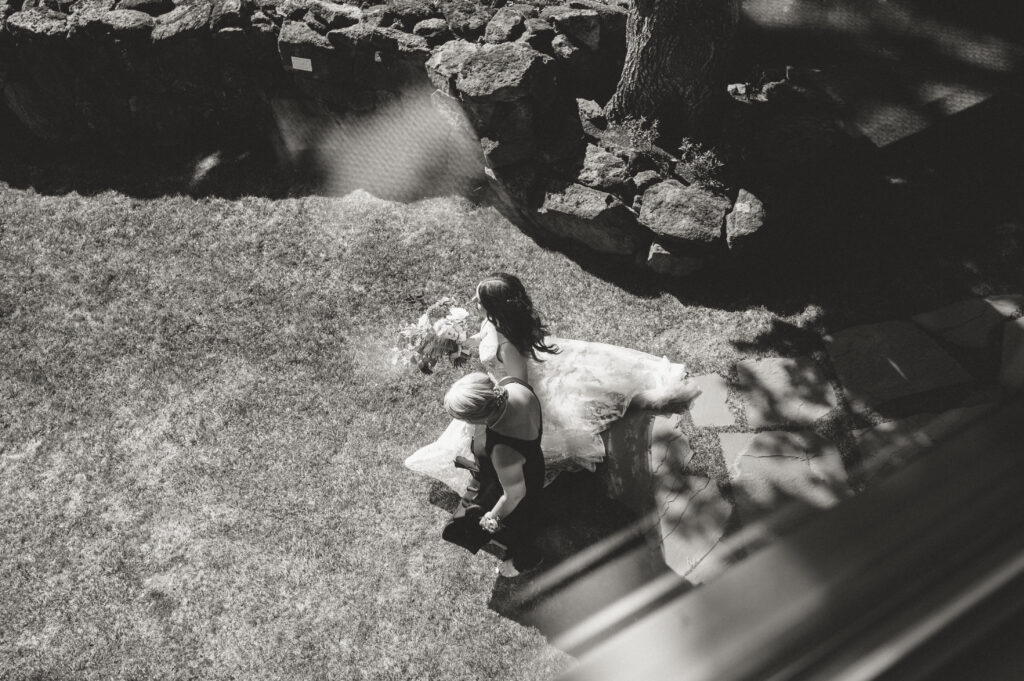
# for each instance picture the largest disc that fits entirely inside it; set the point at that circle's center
(596, 552)
(405, 151)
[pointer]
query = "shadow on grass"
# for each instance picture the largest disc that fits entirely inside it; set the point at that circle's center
(405, 152)
(595, 554)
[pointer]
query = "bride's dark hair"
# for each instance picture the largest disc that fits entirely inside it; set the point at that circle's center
(510, 309)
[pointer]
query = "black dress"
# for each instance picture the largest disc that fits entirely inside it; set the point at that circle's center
(519, 527)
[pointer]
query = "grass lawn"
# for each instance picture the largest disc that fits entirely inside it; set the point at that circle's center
(202, 435)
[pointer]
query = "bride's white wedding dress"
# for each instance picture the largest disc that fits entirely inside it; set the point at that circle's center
(583, 390)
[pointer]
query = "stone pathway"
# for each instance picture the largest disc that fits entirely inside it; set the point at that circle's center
(812, 430)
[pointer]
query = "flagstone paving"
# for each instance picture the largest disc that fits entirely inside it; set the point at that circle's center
(772, 468)
(786, 450)
(971, 323)
(780, 391)
(711, 409)
(878, 363)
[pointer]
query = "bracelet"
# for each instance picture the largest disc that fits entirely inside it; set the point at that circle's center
(490, 523)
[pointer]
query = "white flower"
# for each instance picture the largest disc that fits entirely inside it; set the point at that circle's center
(458, 314)
(445, 330)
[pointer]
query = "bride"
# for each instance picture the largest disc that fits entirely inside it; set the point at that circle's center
(583, 387)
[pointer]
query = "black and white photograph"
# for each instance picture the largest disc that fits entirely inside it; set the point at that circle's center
(487, 340)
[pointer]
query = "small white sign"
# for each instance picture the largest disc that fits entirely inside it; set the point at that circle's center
(302, 64)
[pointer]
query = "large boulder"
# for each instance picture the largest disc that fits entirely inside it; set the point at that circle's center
(605, 171)
(684, 217)
(401, 44)
(184, 21)
(229, 14)
(744, 220)
(593, 218)
(505, 73)
(36, 23)
(506, 25)
(582, 26)
(508, 135)
(306, 52)
(538, 34)
(469, 22)
(335, 15)
(447, 62)
(434, 31)
(408, 13)
(660, 261)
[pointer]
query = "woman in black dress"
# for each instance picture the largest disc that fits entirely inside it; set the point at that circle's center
(511, 461)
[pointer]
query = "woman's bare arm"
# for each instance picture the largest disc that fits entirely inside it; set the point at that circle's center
(508, 463)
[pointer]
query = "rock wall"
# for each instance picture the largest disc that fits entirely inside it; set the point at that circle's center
(155, 71)
(525, 80)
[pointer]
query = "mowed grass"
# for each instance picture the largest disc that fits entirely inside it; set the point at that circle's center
(202, 434)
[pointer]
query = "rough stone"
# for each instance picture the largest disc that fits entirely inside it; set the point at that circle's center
(646, 179)
(538, 34)
(710, 409)
(737, 89)
(447, 61)
(507, 137)
(151, 7)
(335, 15)
(594, 218)
(408, 13)
(471, 25)
(660, 261)
(123, 21)
(612, 19)
(35, 22)
(228, 14)
(503, 72)
(298, 41)
(184, 20)
(592, 117)
(781, 391)
(772, 469)
(505, 25)
(1011, 369)
(434, 31)
(744, 220)
(400, 42)
(352, 39)
(563, 48)
(605, 171)
(683, 216)
(581, 25)
(972, 323)
(877, 363)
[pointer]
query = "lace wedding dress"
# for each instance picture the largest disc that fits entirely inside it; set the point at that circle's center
(583, 390)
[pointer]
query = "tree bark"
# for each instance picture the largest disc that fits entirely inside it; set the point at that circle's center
(674, 51)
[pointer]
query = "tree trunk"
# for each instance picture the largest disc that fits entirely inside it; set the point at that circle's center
(673, 53)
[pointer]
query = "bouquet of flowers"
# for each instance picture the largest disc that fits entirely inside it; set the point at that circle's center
(442, 331)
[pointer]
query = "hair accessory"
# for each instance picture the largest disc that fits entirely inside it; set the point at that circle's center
(500, 397)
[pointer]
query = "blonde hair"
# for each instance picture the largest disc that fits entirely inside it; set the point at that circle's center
(474, 397)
